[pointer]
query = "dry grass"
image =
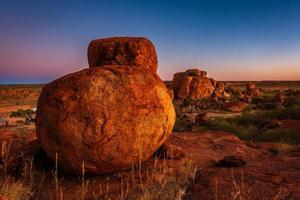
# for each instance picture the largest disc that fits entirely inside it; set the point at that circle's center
(14, 189)
(159, 180)
(241, 189)
(84, 183)
(58, 189)
(284, 147)
(6, 158)
(10, 188)
(20, 186)
(163, 182)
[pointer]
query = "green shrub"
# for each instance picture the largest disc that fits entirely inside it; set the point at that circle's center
(243, 131)
(248, 126)
(278, 135)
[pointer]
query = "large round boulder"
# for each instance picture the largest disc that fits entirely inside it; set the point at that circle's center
(136, 51)
(108, 117)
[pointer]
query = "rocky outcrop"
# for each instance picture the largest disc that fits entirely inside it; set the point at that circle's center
(252, 91)
(87, 117)
(250, 86)
(200, 88)
(192, 84)
(213, 82)
(221, 91)
(280, 98)
(220, 86)
(135, 51)
(181, 86)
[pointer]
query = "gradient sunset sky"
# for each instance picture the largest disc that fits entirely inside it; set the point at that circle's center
(231, 40)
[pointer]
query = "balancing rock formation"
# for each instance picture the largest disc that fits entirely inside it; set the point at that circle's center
(110, 116)
(192, 84)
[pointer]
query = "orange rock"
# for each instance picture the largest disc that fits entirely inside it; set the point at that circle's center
(254, 92)
(218, 93)
(171, 92)
(220, 86)
(136, 51)
(4, 198)
(170, 151)
(192, 84)
(280, 98)
(250, 86)
(200, 88)
(181, 85)
(213, 82)
(108, 117)
(176, 82)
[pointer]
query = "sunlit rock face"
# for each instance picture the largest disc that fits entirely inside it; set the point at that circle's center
(135, 51)
(252, 91)
(192, 84)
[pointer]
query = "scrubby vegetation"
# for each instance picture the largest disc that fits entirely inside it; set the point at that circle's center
(19, 94)
(160, 181)
(12, 189)
(22, 113)
(250, 126)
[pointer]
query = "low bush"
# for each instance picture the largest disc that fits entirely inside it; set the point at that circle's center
(282, 135)
(249, 125)
(22, 113)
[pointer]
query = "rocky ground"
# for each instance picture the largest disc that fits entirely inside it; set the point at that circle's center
(194, 163)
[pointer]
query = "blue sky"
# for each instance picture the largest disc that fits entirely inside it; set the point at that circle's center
(231, 40)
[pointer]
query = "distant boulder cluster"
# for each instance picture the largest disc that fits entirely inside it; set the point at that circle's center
(110, 116)
(194, 84)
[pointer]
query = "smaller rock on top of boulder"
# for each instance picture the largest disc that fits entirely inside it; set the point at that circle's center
(132, 51)
(195, 72)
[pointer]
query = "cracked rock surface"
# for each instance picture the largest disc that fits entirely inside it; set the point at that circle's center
(135, 51)
(109, 117)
